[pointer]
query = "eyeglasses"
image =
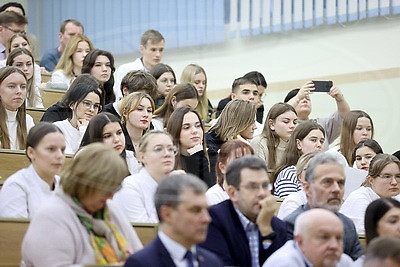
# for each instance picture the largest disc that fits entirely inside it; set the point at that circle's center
(14, 31)
(388, 177)
(88, 104)
(253, 187)
(170, 150)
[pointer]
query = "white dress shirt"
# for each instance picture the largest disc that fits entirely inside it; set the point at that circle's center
(122, 71)
(23, 193)
(136, 197)
(73, 136)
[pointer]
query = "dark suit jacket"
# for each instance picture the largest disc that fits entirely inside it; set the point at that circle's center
(155, 254)
(227, 238)
(351, 243)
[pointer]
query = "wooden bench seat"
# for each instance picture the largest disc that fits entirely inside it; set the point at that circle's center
(51, 96)
(13, 160)
(12, 232)
(36, 113)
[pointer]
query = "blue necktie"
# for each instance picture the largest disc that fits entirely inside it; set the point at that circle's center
(189, 258)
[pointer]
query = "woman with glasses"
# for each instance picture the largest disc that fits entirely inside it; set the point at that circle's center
(85, 102)
(383, 180)
(157, 154)
(166, 81)
(78, 225)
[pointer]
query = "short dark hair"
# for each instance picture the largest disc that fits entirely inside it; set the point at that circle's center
(170, 189)
(73, 21)
(12, 17)
(240, 81)
(292, 93)
(233, 173)
(374, 212)
(383, 248)
(139, 80)
(12, 4)
(257, 77)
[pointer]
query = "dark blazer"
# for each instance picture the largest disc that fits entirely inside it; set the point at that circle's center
(227, 238)
(155, 254)
(351, 243)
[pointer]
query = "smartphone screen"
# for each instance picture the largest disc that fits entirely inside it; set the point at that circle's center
(322, 86)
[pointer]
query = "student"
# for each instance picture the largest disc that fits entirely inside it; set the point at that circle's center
(184, 94)
(137, 110)
(279, 125)
(300, 100)
(364, 152)
(71, 61)
(357, 126)
(151, 48)
(230, 126)
(107, 129)
(307, 137)
(196, 75)
(229, 151)
(20, 40)
(261, 83)
(383, 180)
(23, 59)
(133, 81)
(68, 29)
(78, 225)
(157, 154)
(14, 122)
(100, 64)
(187, 130)
(85, 102)
(26, 190)
(10, 23)
(61, 110)
(166, 81)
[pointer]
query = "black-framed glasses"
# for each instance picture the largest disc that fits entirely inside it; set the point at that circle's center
(14, 31)
(88, 104)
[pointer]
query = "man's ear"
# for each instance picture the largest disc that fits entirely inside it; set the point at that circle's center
(125, 91)
(60, 34)
(165, 213)
(233, 96)
(231, 190)
(142, 48)
(298, 239)
(307, 189)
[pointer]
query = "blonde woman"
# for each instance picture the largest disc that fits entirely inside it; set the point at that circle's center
(136, 109)
(230, 126)
(196, 75)
(71, 61)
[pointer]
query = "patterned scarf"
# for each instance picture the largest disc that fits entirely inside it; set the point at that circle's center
(109, 245)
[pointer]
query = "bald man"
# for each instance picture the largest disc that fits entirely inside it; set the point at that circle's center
(318, 241)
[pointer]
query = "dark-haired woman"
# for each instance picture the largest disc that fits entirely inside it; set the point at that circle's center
(24, 192)
(100, 64)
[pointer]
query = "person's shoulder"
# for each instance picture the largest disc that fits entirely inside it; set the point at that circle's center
(207, 257)
(130, 66)
(292, 216)
(52, 52)
(21, 177)
(148, 256)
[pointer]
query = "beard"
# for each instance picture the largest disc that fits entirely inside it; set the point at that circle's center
(334, 207)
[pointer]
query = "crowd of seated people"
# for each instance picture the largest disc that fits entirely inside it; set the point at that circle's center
(147, 149)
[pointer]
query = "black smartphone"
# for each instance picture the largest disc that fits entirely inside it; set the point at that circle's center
(322, 86)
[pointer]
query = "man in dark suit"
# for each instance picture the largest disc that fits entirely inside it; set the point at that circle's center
(244, 230)
(181, 206)
(324, 187)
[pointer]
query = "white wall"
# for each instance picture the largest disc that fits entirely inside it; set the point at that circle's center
(332, 51)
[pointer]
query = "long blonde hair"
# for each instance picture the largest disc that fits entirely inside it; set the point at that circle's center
(65, 63)
(234, 119)
(188, 74)
(21, 115)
